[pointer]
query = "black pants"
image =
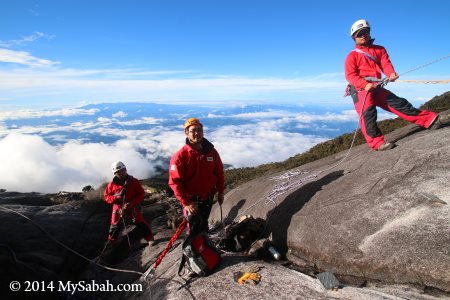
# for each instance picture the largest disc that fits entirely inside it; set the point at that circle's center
(199, 222)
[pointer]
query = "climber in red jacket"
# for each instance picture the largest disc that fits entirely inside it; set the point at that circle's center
(364, 66)
(196, 174)
(125, 193)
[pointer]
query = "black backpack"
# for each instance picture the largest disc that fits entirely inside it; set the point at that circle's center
(240, 235)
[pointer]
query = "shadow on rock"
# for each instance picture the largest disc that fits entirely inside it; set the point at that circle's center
(234, 210)
(280, 217)
(159, 291)
(405, 132)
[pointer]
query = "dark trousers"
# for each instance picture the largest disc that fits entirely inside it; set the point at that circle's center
(117, 225)
(388, 101)
(199, 222)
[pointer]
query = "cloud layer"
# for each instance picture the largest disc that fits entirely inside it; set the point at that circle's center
(67, 149)
(34, 165)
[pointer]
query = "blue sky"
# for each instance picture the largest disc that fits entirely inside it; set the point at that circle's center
(70, 53)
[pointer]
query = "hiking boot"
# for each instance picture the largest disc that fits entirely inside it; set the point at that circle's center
(439, 122)
(385, 146)
(150, 239)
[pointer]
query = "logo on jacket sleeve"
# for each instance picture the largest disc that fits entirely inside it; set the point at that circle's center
(173, 168)
(209, 158)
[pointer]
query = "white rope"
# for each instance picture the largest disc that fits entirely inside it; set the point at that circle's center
(426, 65)
(425, 81)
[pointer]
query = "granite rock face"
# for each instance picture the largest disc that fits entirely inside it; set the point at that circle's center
(33, 230)
(376, 215)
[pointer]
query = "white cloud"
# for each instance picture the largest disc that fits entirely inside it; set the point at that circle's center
(90, 85)
(104, 120)
(27, 39)
(74, 85)
(72, 164)
(250, 145)
(287, 116)
(119, 114)
(24, 58)
(175, 86)
(145, 120)
(34, 165)
(28, 114)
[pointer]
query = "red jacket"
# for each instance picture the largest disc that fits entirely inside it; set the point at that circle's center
(134, 193)
(192, 173)
(358, 66)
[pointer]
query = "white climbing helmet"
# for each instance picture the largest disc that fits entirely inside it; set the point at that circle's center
(117, 166)
(360, 24)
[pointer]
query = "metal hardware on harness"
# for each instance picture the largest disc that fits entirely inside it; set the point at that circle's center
(380, 82)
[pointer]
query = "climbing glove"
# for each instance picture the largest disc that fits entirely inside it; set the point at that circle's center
(244, 278)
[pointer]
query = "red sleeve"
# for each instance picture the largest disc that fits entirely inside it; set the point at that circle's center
(220, 175)
(109, 194)
(176, 176)
(352, 71)
(386, 64)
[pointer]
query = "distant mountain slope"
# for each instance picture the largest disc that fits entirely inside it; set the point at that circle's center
(235, 177)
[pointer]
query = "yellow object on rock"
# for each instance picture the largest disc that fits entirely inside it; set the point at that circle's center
(244, 278)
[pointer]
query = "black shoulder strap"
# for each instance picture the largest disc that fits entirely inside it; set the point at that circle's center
(187, 240)
(182, 263)
(125, 185)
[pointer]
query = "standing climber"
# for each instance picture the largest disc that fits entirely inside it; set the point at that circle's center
(196, 175)
(364, 66)
(125, 193)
